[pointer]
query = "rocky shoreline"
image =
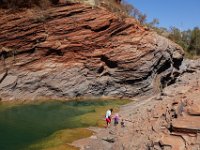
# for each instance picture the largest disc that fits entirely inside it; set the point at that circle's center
(169, 121)
(79, 51)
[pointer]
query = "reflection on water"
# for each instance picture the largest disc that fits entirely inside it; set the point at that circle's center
(28, 124)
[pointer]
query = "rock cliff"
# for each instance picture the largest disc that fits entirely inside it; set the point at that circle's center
(169, 123)
(74, 50)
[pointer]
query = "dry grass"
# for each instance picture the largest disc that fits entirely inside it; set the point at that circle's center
(15, 4)
(111, 5)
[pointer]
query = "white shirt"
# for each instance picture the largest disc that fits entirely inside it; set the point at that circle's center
(108, 113)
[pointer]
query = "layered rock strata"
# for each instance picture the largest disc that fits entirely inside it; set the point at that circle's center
(74, 50)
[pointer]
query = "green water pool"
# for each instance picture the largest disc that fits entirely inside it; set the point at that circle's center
(47, 125)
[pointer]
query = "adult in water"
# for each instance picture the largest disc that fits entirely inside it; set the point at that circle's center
(108, 117)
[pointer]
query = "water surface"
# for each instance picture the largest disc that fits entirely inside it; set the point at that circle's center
(40, 125)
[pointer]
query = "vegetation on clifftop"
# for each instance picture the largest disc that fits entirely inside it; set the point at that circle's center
(26, 3)
(189, 39)
(117, 6)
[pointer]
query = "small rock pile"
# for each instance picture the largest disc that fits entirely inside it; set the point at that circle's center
(179, 127)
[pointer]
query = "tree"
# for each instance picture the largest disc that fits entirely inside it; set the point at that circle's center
(178, 37)
(175, 34)
(127, 8)
(189, 40)
(186, 38)
(134, 12)
(142, 18)
(154, 22)
(194, 46)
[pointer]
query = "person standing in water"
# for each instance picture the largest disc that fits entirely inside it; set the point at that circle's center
(108, 117)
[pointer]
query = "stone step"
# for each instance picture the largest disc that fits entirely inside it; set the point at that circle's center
(187, 124)
(175, 142)
(194, 110)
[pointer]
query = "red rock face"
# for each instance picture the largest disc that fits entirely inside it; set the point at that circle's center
(118, 1)
(74, 50)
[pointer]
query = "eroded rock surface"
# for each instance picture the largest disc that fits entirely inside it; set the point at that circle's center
(170, 123)
(74, 50)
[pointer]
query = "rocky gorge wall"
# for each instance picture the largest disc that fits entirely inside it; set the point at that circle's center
(74, 50)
